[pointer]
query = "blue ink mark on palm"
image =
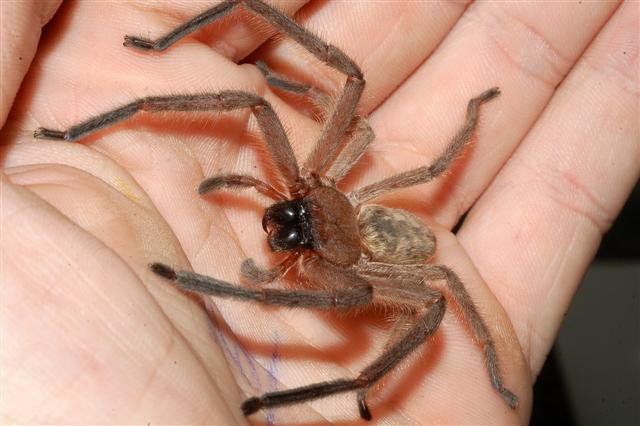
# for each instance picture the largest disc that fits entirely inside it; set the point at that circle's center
(233, 350)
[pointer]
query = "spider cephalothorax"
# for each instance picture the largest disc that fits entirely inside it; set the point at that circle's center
(354, 253)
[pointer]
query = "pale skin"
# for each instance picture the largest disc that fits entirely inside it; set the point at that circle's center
(90, 335)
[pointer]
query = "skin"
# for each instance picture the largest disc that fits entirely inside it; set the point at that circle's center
(89, 335)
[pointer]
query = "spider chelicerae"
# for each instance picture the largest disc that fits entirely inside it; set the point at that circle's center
(355, 253)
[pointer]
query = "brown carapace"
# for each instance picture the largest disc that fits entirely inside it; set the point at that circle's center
(356, 254)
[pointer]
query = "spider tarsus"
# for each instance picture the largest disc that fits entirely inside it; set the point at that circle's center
(163, 270)
(264, 68)
(279, 83)
(138, 43)
(251, 406)
(209, 185)
(42, 133)
(253, 273)
(489, 94)
(365, 413)
(510, 398)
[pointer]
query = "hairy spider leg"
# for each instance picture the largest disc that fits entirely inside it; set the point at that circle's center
(348, 297)
(360, 133)
(354, 148)
(256, 275)
(426, 173)
(271, 127)
(290, 86)
(426, 304)
(424, 326)
(353, 291)
(218, 182)
(329, 142)
(420, 273)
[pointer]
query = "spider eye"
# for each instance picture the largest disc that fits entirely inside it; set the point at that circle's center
(286, 239)
(286, 215)
(282, 215)
(292, 237)
(286, 226)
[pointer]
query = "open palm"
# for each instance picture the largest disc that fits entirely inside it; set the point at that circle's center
(91, 335)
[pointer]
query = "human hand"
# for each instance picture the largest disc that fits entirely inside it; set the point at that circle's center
(91, 335)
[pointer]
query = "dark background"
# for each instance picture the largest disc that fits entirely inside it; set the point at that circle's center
(592, 375)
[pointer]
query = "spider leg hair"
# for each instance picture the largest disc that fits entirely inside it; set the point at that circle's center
(424, 326)
(480, 331)
(326, 53)
(216, 183)
(330, 141)
(275, 137)
(256, 275)
(335, 299)
(354, 148)
(359, 138)
(286, 85)
(205, 18)
(426, 173)
(334, 129)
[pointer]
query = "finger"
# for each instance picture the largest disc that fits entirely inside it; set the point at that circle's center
(535, 230)
(84, 70)
(91, 27)
(19, 35)
(233, 36)
(100, 196)
(522, 48)
(80, 331)
(460, 349)
(388, 40)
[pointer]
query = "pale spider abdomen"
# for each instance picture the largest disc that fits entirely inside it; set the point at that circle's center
(394, 236)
